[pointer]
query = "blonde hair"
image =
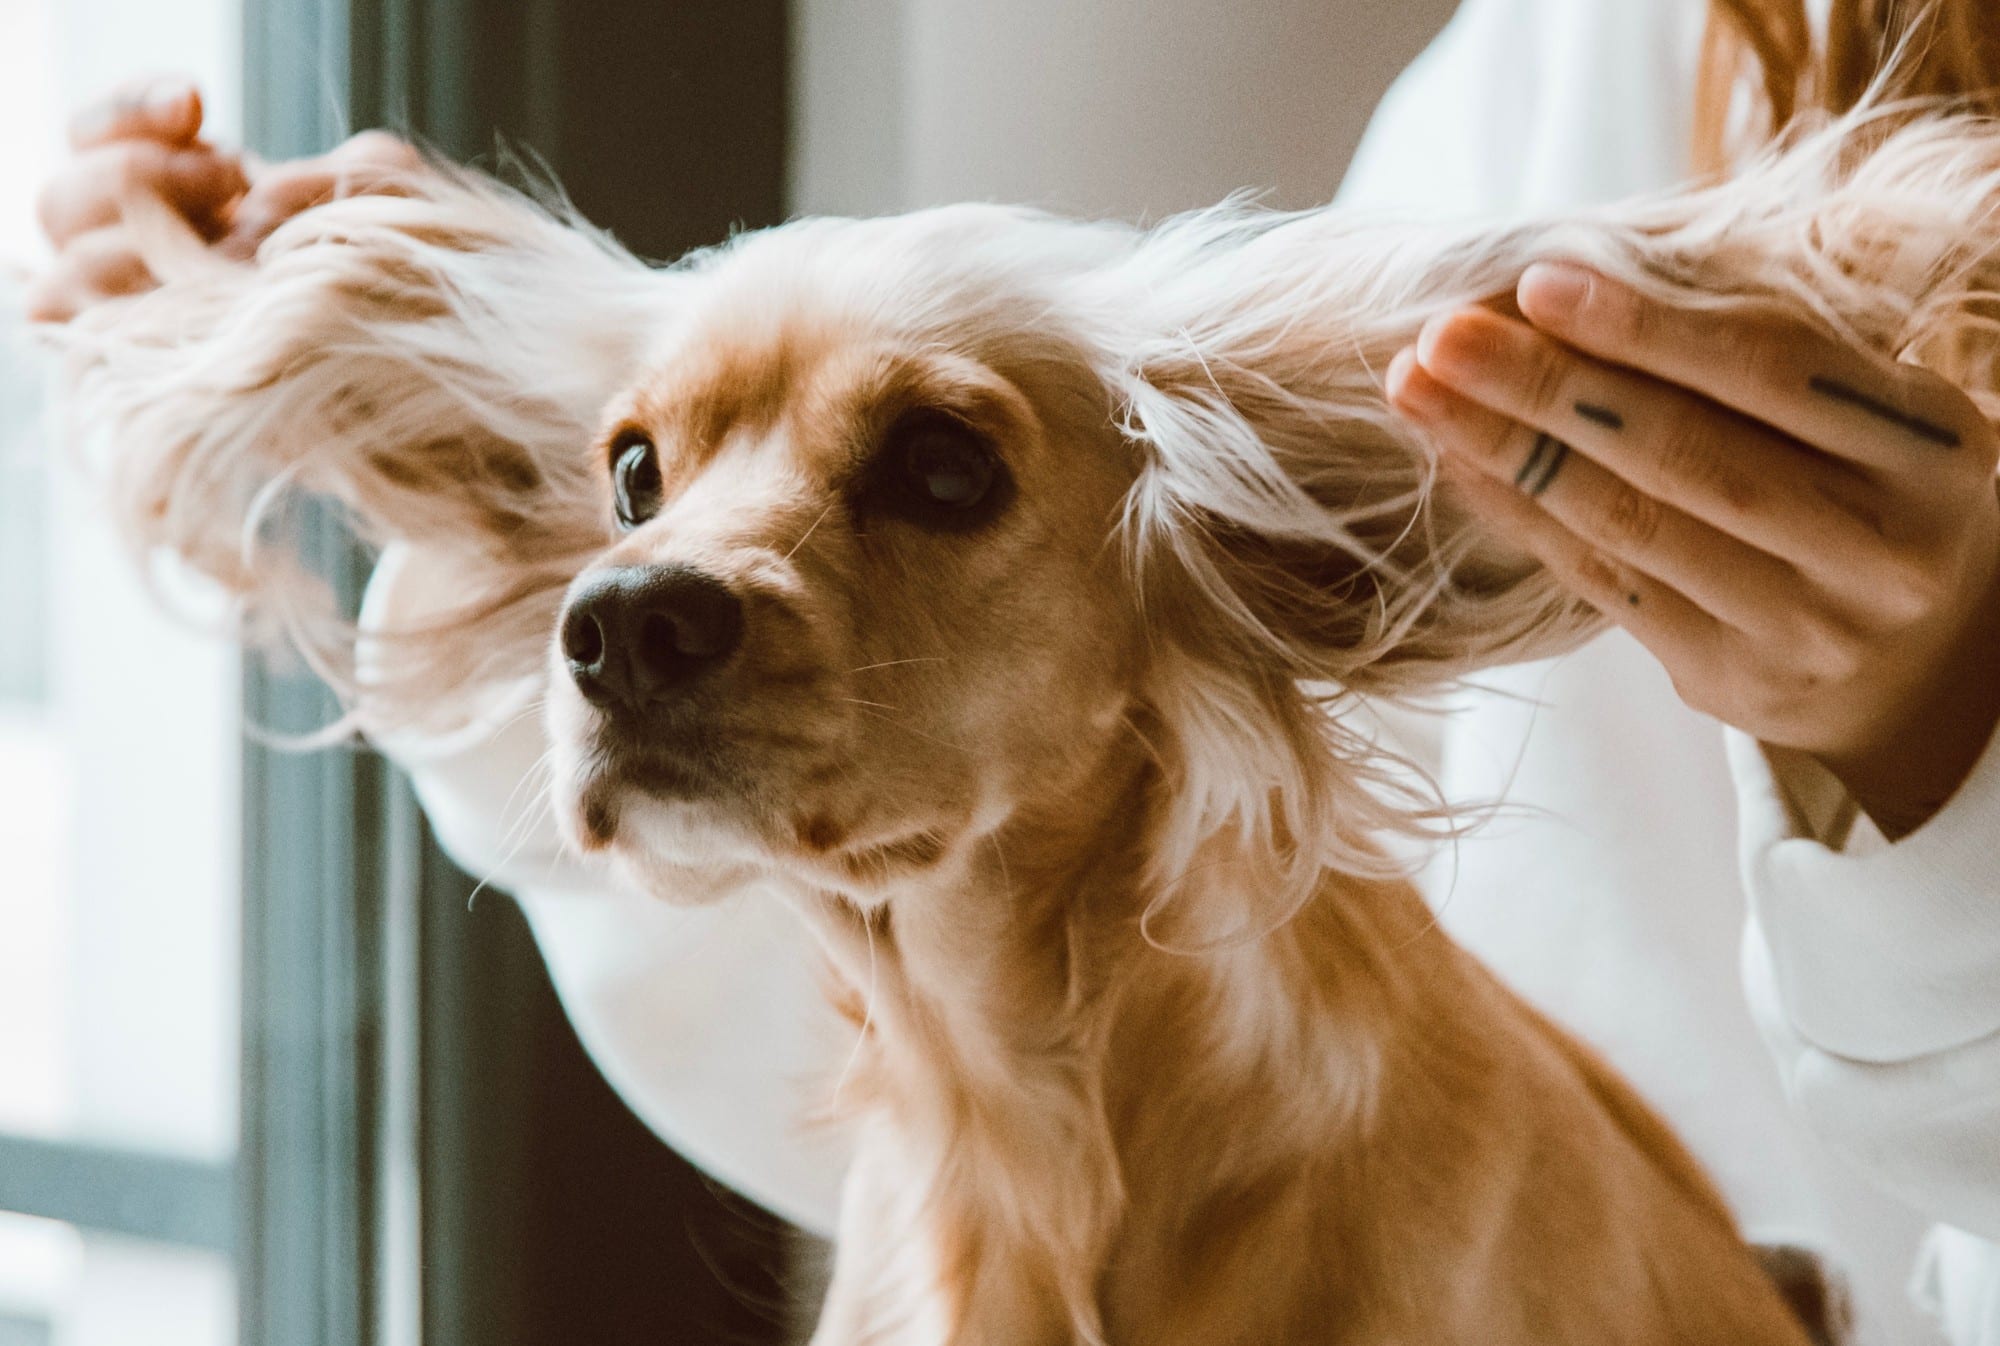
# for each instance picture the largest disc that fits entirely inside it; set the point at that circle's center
(1763, 68)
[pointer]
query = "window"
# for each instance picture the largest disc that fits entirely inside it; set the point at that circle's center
(263, 1076)
(118, 821)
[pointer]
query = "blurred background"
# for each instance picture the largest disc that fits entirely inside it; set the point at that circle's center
(264, 1075)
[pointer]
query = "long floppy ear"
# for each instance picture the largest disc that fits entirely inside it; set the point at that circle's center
(1290, 533)
(433, 357)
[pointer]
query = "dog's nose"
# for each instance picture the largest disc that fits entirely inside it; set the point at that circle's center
(643, 634)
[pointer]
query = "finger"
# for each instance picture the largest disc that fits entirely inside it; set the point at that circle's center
(103, 264)
(276, 197)
(1791, 376)
(90, 195)
(361, 159)
(369, 161)
(107, 262)
(376, 150)
(1738, 585)
(1734, 475)
(1678, 632)
(163, 110)
(49, 299)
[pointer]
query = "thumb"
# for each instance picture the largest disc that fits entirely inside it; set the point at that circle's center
(166, 110)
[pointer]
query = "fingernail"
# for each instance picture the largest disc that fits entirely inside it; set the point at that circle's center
(1464, 343)
(168, 98)
(1409, 389)
(1427, 339)
(245, 234)
(1553, 289)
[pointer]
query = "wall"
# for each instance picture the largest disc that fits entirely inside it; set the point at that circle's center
(1126, 107)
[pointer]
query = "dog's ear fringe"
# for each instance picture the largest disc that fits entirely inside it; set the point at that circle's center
(431, 357)
(1286, 520)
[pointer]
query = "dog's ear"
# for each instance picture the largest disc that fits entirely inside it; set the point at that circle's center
(1328, 550)
(1290, 531)
(1278, 487)
(432, 359)
(1295, 548)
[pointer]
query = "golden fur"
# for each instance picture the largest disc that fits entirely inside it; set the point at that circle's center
(1156, 1046)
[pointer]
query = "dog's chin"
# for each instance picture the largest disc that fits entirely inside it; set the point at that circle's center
(676, 850)
(671, 840)
(691, 848)
(675, 836)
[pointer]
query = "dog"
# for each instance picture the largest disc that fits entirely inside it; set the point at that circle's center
(1001, 589)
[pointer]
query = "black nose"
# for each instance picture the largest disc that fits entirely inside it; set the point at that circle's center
(642, 634)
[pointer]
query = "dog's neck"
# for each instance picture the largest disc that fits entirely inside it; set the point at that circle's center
(1043, 1071)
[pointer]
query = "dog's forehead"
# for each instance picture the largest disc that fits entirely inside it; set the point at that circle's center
(816, 336)
(755, 369)
(821, 378)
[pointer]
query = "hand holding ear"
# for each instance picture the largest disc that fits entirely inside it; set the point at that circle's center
(147, 138)
(1805, 534)
(371, 161)
(142, 138)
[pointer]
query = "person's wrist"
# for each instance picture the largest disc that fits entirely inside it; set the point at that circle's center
(1920, 755)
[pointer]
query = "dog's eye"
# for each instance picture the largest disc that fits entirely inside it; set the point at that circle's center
(937, 471)
(946, 466)
(635, 480)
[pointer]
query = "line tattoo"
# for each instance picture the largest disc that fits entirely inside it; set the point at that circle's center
(1941, 435)
(1544, 461)
(1599, 415)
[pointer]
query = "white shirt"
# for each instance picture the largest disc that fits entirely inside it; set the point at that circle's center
(1615, 897)
(1615, 902)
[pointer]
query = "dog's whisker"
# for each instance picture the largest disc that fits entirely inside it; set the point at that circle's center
(1000, 855)
(911, 729)
(524, 828)
(535, 706)
(867, 1011)
(544, 811)
(547, 754)
(1152, 748)
(893, 663)
(809, 531)
(543, 764)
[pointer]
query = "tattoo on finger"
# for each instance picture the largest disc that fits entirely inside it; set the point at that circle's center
(1941, 435)
(1544, 461)
(1600, 415)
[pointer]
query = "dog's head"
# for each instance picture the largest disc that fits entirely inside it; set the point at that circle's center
(917, 519)
(865, 597)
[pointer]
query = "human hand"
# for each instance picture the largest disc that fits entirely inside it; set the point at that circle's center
(1805, 534)
(146, 138)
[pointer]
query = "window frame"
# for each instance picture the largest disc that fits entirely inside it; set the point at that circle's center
(397, 1058)
(402, 1063)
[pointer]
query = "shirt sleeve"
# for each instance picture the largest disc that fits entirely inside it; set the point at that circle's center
(1528, 106)
(1874, 971)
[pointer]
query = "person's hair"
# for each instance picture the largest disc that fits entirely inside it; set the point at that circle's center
(1763, 66)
